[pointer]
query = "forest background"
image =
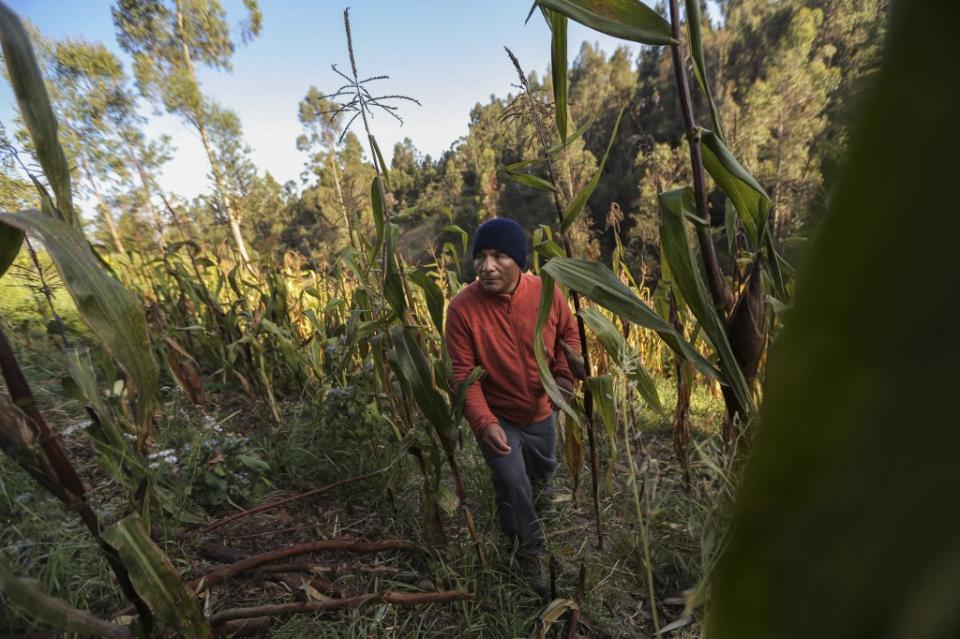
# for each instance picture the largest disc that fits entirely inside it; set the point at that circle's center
(786, 76)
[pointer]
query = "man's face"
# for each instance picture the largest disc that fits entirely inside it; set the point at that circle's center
(496, 271)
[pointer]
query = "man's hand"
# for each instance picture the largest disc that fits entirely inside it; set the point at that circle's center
(495, 440)
(566, 389)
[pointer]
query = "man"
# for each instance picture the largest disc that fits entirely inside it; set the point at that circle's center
(490, 324)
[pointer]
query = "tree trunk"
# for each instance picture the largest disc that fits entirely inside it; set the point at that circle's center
(103, 208)
(201, 126)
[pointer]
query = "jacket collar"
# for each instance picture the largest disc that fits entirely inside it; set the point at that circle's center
(508, 297)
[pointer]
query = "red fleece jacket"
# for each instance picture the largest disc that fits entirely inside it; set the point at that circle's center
(496, 332)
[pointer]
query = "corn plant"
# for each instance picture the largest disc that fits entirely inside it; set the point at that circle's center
(115, 317)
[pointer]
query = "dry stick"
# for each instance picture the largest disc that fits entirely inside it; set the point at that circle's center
(587, 394)
(719, 292)
(281, 502)
(397, 598)
(242, 627)
(218, 575)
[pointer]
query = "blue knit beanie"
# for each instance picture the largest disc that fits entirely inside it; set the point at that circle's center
(504, 235)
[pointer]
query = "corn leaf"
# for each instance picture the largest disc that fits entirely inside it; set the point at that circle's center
(379, 210)
(111, 311)
(392, 284)
(597, 282)
(687, 279)
(540, 353)
(27, 83)
(156, 581)
(581, 200)
(28, 596)
(464, 236)
(751, 201)
(460, 398)
(694, 20)
(558, 67)
(10, 241)
(601, 386)
(415, 369)
(433, 296)
(626, 357)
(383, 165)
(846, 506)
(627, 19)
(526, 179)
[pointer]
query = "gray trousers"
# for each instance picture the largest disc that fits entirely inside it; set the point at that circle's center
(522, 477)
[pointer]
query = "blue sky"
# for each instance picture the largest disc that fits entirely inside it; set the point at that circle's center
(446, 53)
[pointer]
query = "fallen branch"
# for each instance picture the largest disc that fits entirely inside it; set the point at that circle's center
(241, 627)
(397, 598)
(221, 573)
(220, 523)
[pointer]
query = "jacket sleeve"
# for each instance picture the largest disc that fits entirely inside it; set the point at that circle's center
(566, 333)
(463, 359)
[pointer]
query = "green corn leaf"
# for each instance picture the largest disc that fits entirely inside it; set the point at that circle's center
(573, 137)
(581, 200)
(27, 83)
(598, 282)
(28, 596)
(464, 236)
(415, 369)
(392, 282)
(379, 210)
(460, 398)
(604, 401)
(752, 202)
(528, 180)
(156, 580)
(10, 241)
(558, 67)
(772, 262)
(383, 165)
(433, 295)
(627, 19)
(699, 63)
(686, 278)
(111, 311)
(540, 353)
(548, 249)
(846, 507)
(626, 357)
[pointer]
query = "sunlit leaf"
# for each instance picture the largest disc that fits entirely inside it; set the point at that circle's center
(699, 63)
(111, 311)
(751, 201)
(28, 86)
(626, 357)
(558, 67)
(433, 296)
(597, 282)
(627, 19)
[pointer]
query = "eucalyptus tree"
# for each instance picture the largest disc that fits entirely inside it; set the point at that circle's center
(322, 126)
(167, 40)
(86, 81)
